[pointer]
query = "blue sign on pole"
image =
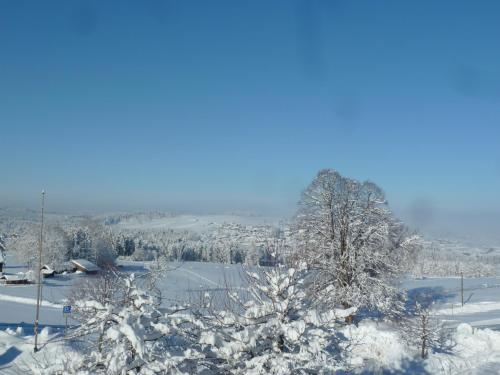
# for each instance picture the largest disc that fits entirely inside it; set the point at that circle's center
(67, 309)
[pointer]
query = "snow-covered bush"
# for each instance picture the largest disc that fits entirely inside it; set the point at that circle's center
(374, 345)
(126, 333)
(103, 288)
(423, 331)
(269, 329)
(273, 330)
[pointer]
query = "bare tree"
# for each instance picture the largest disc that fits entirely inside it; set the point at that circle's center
(2, 252)
(103, 288)
(351, 242)
(424, 331)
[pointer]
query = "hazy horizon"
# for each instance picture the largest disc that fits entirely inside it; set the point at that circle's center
(470, 228)
(220, 107)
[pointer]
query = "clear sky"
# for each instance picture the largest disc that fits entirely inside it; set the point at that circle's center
(235, 105)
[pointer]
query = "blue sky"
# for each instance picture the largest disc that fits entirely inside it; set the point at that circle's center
(235, 105)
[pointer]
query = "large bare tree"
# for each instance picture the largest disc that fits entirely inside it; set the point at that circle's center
(351, 241)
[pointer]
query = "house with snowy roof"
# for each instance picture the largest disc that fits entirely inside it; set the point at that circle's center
(83, 265)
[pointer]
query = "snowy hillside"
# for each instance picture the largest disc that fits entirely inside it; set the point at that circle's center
(194, 223)
(236, 238)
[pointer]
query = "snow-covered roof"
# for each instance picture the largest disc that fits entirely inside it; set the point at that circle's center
(13, 278)
(85, 264)
(47, 271)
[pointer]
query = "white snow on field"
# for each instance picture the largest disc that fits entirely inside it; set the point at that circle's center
(487, 323)
(17, 356)
(374, 346)
(28, 301)
(477, 351)
(377, 346)
(481, 299)
(194, 223)
(470, 308)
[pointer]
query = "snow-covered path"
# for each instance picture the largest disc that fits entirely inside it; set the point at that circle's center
(28, 301)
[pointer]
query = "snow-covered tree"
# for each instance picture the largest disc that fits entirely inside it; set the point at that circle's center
(126, 333)
(2, 252)
(92, 241)
(422, 330)
(273, 249)
(224, 243)
(25, 244)
(253, 255)
(220, 253)
(104, 288)
(2, 243)
(351, 241)
(81, 244)
(55, 245)
(123, 245)
(273, 330)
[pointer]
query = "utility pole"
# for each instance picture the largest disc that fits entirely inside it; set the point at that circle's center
(462, 287)
(39, 291)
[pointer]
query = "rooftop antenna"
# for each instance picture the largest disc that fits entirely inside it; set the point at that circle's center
(39, 275)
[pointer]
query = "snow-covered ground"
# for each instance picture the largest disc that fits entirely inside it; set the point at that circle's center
(481, 299)
(184, 281)
(377, 344)
(194, 223)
